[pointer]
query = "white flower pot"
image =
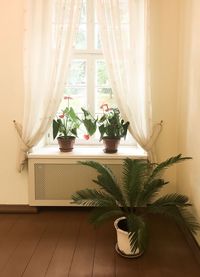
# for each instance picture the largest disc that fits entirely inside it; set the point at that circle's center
(123, 243)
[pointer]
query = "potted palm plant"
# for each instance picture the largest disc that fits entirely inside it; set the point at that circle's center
(133, 199)
(65, 128)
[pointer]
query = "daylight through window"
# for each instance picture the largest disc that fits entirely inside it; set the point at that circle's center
(88, 84)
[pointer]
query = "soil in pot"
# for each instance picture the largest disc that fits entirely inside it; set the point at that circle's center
(66, 144)
(122, 224)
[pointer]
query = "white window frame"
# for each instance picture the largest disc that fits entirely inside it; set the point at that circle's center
(91, 55)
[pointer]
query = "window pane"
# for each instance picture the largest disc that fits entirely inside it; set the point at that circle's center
(104, 96)
(83, 18)
(81, 39)
(101, 73)
(77, 74)
(78, 95)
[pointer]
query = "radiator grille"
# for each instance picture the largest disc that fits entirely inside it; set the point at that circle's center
(60, 181)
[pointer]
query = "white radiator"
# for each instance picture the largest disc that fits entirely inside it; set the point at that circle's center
(55, 176)
(53, 183)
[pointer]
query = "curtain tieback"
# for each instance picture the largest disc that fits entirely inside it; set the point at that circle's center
(25, 147)
(156, 131)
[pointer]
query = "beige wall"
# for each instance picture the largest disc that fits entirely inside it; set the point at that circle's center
(188, 175)
(164, 57)
(13, 186)
(164, 65)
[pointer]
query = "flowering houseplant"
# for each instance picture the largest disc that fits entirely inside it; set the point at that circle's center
(111, 125)
(65, 127)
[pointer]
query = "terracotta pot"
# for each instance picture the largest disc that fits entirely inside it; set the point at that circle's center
(111, 144)
(123, 243)
(66, 144)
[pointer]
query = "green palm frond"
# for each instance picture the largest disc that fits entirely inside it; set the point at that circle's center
(166, 164)
(150, 190)
(172, 199)
(189, 220)
(137, 233)
(104, 213)
(106, 180)
(175, 206)
(141, 183)
(92, 197)
(134, 175)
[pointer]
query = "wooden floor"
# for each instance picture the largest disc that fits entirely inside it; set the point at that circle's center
(62, 243)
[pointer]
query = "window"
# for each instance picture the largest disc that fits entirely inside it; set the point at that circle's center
(88, 83)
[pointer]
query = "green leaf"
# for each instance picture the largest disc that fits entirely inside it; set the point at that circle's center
(171, 199)
(55, 128)
(137, 233)
(104, 213)
(150, 190)
(133, 178)
(73, 115)
(74, 132)
(89, 122)
(174, 206)
(106, 180)
(169, 162)
(92, 197)
(90, 126)
(125, 129)
(102, 130)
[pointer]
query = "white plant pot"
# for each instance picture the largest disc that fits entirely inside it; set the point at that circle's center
(123, 243)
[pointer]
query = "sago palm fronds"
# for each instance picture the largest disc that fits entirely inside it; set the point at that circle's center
(141, 183)
(106, 180)
(134, 176)
(175, 206)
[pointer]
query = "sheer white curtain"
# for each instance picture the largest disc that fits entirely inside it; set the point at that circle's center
(50, 30)
(125, 42)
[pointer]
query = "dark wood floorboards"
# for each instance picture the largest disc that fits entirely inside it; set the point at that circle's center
(62, 243)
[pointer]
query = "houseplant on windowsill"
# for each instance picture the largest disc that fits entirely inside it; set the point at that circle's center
(133, 199)
(65, 128)
(111, 127)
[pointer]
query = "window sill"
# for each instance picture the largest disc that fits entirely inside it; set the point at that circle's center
(89, 152)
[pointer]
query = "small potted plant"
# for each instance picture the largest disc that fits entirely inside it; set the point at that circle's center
(132, 200)
(65, 128)
(111, 127)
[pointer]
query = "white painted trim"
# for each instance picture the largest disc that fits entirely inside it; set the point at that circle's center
(87, 152)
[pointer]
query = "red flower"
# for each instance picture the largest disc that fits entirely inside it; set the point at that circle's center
(61, 116)
(68, 98)
(86, 137)
(104, 107)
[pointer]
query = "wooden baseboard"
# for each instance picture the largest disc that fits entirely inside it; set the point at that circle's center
(9, 209)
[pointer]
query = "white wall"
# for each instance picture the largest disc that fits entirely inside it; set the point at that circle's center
(164, 57)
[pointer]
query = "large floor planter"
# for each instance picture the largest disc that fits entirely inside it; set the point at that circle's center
(66, 144)
(123, 243)
(111, 144)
